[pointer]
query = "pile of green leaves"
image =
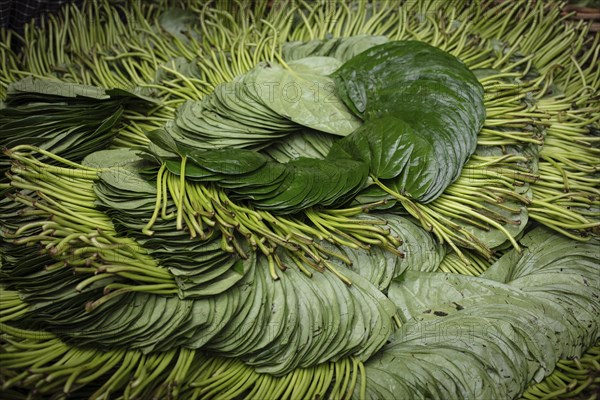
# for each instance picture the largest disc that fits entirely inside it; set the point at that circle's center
(268, 102)
(489, 336)
(422, 109)
(108, 294)
(200, 267)
(67, 119)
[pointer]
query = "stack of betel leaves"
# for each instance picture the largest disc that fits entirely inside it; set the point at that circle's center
(363, 200)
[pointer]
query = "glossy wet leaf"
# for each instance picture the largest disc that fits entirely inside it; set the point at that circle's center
(429, 103)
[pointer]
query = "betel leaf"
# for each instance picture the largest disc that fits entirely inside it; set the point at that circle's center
(305, 96)
(315, 65)
(305, 143)
(56, 88)
(120, 169)
(378, 266)
(114, 158)
(229, 161)
(381, 144)
(341, 49)
(423, 110)
(311, 182)
(283, 188)
(382, 79)
(48, 89)
(268, 102)
(180, 23)
(163, 140)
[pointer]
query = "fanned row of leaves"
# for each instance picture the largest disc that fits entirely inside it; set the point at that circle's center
(422, 110)
(69, 119)
(518, 314)
(269, 185)
(266, 103)
(305, 328)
